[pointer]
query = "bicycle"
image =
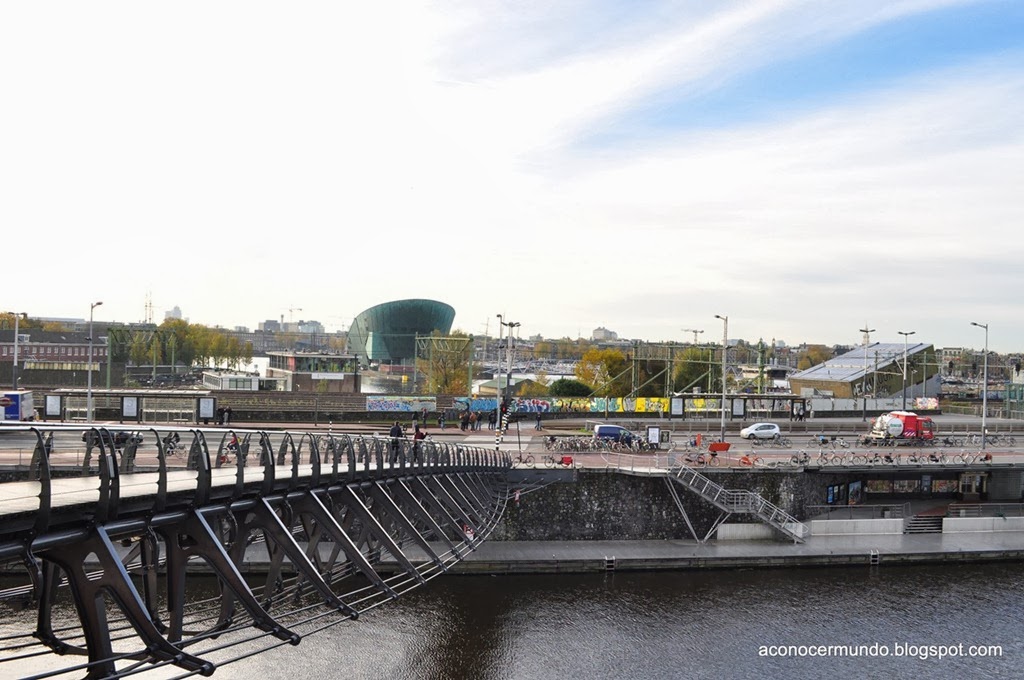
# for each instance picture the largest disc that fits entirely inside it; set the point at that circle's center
(524, 460)
(173, 446)
(563, 461)
(703, 459)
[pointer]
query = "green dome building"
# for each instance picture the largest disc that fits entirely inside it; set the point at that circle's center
(386, 333)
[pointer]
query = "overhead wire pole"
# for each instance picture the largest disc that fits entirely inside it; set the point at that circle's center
(497, 374)
(984, 386)
(906, 335)
(725, 354)
(864, 378)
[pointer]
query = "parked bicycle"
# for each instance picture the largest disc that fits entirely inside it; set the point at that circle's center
(703, 459)
(524, 460)
(559, 461)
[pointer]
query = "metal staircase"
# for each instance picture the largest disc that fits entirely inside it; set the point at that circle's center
(739, 502)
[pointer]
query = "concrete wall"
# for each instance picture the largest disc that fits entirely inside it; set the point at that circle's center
(745, 532)
(957, 525)
(848, 527)
(607, 506)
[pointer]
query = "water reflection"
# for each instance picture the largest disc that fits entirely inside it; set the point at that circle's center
(670, 625)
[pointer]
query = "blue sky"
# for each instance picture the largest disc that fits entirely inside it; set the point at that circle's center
(802, 167)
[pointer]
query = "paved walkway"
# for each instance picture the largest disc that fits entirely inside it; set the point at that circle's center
(547, 556)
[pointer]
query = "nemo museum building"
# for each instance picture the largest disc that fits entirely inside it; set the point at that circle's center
(386, 333)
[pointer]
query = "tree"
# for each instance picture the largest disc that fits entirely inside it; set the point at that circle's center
(605, 369)
(695, 367)
(538, 388)
(446, 362)
(812, 356)
(566, 387)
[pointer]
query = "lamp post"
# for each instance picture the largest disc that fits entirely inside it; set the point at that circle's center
(509, 353)
(984, 388)
(88, 389)
(725, 352)
(906, 335)
(864, 379)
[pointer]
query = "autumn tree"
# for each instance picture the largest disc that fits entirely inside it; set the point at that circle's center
(812, 356)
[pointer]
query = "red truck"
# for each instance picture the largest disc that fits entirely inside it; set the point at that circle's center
(901, 427)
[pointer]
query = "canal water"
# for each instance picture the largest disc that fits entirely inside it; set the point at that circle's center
(882, 622)
(885, 622)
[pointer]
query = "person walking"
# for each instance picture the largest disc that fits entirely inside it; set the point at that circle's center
(418, 436)
(538, 426)
(396, 434)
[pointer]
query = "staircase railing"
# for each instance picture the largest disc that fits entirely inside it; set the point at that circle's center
(741, 502)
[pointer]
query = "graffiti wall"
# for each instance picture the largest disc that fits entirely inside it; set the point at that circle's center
(382, 403)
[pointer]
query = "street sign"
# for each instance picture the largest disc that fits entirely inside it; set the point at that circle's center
(6, 401)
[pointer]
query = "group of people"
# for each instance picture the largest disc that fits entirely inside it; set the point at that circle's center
(397, 434)
(471, 421)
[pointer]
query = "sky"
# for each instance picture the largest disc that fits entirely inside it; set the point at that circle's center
(802, 168)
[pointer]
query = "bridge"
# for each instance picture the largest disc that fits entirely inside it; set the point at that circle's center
(187, 549)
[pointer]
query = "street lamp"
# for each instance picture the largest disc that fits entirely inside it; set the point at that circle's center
(905, 334)
(497, 375)
(725, 352)
(864, 379)
(510, 354)
(88, 391)
(984, 388)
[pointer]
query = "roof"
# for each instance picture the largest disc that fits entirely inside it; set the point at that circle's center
(860, 362)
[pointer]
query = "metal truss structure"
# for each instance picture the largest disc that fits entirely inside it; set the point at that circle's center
(191, 549)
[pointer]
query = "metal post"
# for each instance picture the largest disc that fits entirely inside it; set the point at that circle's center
(906, 335)
(88, 391)
(497, 375)
(725, 355)
(864, 379)
(469, 376)
(984, 387)
(14, 366)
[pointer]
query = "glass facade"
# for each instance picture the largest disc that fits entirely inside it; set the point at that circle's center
(387, 332)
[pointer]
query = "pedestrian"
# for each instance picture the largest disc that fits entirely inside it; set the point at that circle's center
(440, 420)
(464, 421)
(418, 436)
(538, 426)
(227, 415)
(492, 420)
(472, 420)
(220, 415)
(396, 434)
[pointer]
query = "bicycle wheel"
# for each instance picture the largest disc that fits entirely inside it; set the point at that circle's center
(1011, 441)
(528, 460)
(715, 461)
(549, 461)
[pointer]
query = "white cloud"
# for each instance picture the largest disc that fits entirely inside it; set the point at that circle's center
(240, 159)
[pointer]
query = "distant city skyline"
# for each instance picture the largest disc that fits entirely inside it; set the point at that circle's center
(802, 168)
(688, 339)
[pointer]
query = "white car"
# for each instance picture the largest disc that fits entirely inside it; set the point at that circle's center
(761, 431)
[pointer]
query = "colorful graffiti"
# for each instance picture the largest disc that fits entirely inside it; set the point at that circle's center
(478, 404)
(405, 404)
